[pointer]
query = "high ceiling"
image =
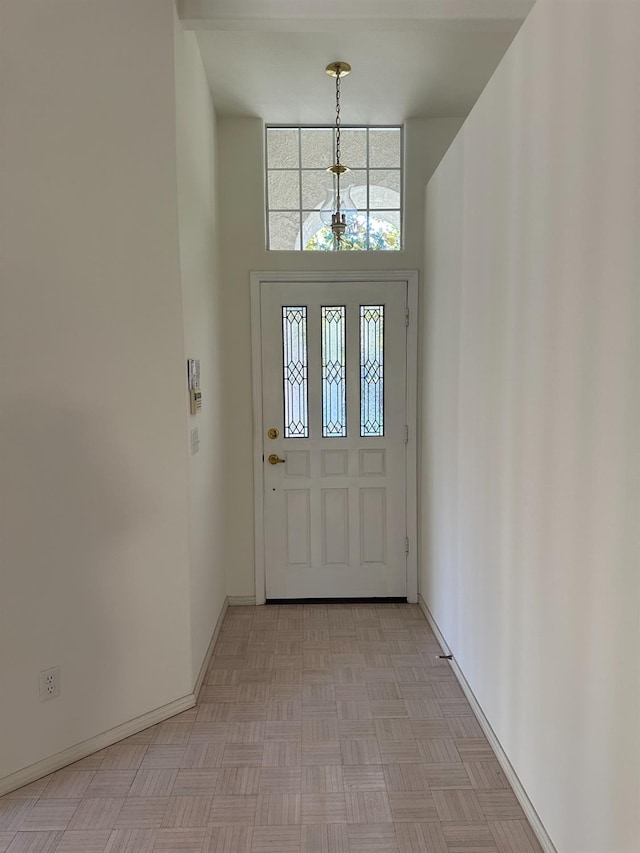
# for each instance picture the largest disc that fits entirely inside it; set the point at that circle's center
(410, 58)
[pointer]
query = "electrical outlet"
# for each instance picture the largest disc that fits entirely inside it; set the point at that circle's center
(49, 684)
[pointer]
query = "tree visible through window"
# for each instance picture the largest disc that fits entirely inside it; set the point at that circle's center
(301, 193)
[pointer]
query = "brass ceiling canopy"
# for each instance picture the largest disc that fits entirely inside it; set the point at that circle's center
(338, 69)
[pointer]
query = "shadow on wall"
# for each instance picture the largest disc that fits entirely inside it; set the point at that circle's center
(70, 589)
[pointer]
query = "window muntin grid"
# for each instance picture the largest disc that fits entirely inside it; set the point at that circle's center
(297, 184)
(295, 372)
(334, 372)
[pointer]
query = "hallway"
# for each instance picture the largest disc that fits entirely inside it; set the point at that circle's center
(320, 729)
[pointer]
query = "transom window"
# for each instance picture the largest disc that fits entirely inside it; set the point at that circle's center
(301, 193)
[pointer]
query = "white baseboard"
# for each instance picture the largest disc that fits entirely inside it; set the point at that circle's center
(241, 600)
(131, 727)
(527, 806)
(207, 658)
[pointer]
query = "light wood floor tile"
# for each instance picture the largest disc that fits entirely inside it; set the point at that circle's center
(253, 693)
(280, 780)
(281, 753)
(278, 809)
(275, 730)
(412, 806)
(228, 839)
(364, 777)
(5, 840)
(500, 805)
(441, 776)
(474, 749)
(206, 731)
(220, 693)
(320, 710)
(144, 812)
(405, 777)
(393, 729)
(455, 707)
(456, 805)
(368, 807)
(238, 781)
(97, 813)
(193, 783)
(356, 729)
(34, 842)
(321, 753)
(486, 775)
(420, 838)
(514, 836)
(429, 729)
(50, 815)
(325, 838)
(111, 783)
(246, 733)
(322, 779)
(132, 841)
(284, 712)
(372, 838)
(383, 690)
(463, 727)
(360, 751)
(153, 782)
(320, 730)
(242, 755)
(123, 757)
(180, 840)
(87, 841)
(187, 812)
(233, 810)
(203, 756)
(324, 808)
(172, 734)
(469, 837)
(439, 751)
(399, 752)
(68, 784)
(13, 812)
(269, 839)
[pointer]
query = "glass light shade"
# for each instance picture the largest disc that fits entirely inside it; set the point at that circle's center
(347, 206)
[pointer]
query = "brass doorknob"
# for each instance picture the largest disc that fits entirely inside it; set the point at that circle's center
(274, 459)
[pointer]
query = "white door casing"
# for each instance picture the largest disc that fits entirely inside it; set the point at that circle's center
(337, 518)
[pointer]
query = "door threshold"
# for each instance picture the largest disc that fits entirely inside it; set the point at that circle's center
(381, 600)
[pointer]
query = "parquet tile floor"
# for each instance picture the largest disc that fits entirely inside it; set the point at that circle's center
(320, 729)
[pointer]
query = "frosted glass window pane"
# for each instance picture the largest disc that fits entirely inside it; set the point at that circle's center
(283, 151)
(317, 147)
(334, 387)
(284, 231)
(384, 148)
(354, 148)
(315, 186)
(371, 370)
(294, 349)
(384, 231)
(284, 190)
(384, 189)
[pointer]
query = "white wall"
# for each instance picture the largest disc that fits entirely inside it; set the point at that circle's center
(531, 415)
(99, 506)
(243, 250)
(203, 318)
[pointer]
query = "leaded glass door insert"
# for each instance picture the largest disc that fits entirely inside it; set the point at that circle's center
(334, 380)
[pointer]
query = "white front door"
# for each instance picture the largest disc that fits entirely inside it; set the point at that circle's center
(334, 386)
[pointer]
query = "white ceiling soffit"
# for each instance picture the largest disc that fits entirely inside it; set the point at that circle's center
(410, 58)
(365, 15)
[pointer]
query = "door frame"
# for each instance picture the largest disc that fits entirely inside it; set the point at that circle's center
(258, 280)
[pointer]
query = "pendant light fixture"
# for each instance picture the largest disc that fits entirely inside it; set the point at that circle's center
(342, 209)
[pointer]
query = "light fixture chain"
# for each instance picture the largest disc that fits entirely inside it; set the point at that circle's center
(338, 117)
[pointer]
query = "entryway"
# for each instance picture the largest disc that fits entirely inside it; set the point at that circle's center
(334, 361)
